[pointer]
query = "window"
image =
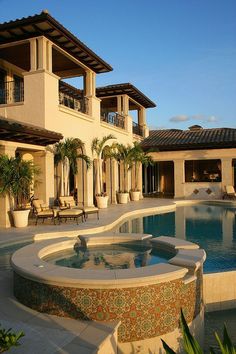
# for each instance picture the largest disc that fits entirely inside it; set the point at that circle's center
(203, 171)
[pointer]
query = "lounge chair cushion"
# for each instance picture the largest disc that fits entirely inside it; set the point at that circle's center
(90, 209)
(37, 204)
(46, 213)
(230, 190)
(70, 212)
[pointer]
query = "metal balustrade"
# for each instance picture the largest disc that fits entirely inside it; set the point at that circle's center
(114, 118)
(137, 129)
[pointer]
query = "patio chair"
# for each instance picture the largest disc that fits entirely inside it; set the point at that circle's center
(229, 192)
(42, 211)
(69, 202)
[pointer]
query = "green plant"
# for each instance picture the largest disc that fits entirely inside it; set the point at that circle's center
(9, 339)
(98, 148)
(138, 158)
(191, 345)
(123, 155)
(66, 153)
(16, 178)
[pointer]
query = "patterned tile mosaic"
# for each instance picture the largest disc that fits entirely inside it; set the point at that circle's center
(145, 311)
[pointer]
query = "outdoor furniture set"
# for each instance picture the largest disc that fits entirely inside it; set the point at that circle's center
(67, 209)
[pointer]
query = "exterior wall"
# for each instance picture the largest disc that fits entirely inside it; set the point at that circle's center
(199, 190)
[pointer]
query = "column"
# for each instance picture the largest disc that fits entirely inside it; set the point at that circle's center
(179, 178)
(88, 187)
(226, 172)
(5, 215)
(140, 180)
(119, 105)
(90, 94)
(44, 189)
(114, 176)
(108, 179)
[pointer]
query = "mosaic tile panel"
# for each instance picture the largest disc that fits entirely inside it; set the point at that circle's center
(145, 311)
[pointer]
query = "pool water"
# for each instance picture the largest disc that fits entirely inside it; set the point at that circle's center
(212, 227)
(6, 252)
(118, 256)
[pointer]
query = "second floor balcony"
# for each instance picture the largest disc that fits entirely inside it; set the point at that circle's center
(113, 118)
(72, 98)
(11, 91)
(137, 129)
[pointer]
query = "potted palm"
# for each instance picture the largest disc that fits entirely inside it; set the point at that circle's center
(67, 153)
(98, 147)
(124, 157)
(16, 178)
(138, 157)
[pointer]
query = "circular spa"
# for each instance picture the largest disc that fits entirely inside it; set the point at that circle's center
(142, 287)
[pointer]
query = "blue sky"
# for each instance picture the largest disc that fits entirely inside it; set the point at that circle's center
(180, 53)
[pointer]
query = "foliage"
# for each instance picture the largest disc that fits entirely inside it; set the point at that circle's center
(66, 153)
(100, 149)
(9, 339)
(191, 346)
(139, 157)
(16, 178)
(123, 155)
(68, 149)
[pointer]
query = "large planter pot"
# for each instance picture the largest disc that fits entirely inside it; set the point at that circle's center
(135, 195)
(123, 198)
(20, 217)
(102, 202)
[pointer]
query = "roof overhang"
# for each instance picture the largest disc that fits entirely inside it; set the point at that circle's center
(127, 89)
(45, 25)
(11, 130)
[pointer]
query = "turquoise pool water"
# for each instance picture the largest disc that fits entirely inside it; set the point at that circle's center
(211, 227)
(116, 256)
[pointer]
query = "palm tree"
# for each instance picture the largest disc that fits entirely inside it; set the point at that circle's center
(98, 148)
(124, 154)
(66, 153)
(139, 157)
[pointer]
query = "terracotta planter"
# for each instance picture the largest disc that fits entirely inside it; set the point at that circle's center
(20, 217)
(123, 198)
(135, 195)
(102, 202)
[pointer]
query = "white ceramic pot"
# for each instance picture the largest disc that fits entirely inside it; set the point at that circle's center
(102, 202)
(20, 217)
(135, 195)
(123, 198)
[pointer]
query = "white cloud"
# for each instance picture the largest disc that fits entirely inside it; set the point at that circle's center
(212, 119)
(179, 118)
(199, 117)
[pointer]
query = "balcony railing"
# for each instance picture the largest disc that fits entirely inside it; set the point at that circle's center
(137, 129)
(11, 92)
(78, 104)
(72, 97)
(114, 118)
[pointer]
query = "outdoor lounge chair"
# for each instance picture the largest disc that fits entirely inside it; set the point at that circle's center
(69, 202)
(70, 214)
(230, 192)
(42, 211)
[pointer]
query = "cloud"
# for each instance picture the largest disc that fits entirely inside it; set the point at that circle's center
(179, 118)
(212, 119)
(199, 117)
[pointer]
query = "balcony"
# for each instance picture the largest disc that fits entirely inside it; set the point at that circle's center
(72, 98)
(114, 119)
(11, 92)
(137, 129)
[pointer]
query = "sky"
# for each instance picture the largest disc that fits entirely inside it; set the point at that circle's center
(180, 53)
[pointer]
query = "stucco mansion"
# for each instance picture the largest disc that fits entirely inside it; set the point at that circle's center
(38, 108)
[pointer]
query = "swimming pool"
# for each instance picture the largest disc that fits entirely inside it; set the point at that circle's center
(212, 227)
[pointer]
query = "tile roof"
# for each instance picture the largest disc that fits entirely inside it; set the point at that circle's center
(44, 24)
(192, 139)
(128, 89)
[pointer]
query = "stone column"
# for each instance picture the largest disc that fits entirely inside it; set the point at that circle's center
(108, 179)
(5, 215)
(44, 189)
(90, 93)
(226, 172)
(140, 180)
(179, 178)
